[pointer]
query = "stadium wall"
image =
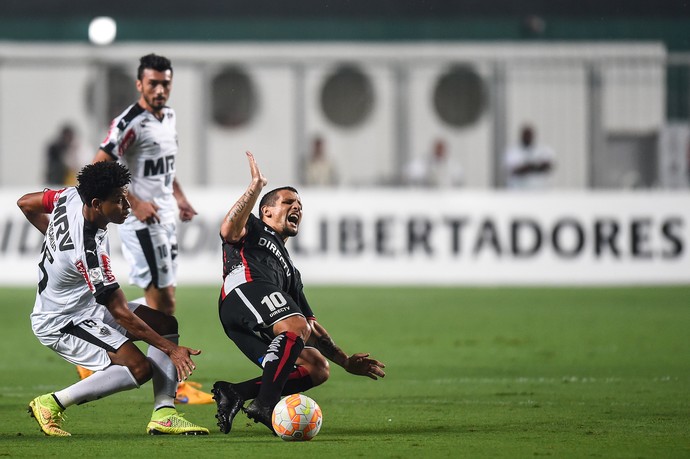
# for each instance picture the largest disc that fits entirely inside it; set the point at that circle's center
(423, 237)
(577, 95)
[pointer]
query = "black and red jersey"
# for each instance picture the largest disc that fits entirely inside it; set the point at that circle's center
(261, 256)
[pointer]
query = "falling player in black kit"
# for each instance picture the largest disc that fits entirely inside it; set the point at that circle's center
(264, 311)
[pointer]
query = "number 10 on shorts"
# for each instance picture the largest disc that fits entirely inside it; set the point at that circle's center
(274, 301)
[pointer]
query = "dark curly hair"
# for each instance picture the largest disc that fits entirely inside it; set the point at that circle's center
(270, 198)
(99, 180)
(155, 62)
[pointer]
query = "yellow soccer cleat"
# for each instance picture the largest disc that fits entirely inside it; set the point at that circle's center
(188, 392)
(167, 421)
(48, 415)
(83, 372)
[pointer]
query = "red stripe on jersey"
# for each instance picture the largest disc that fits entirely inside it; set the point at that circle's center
(50, 197)
(107, 271)
(82, 270)
(110, 130)
(247, 273)
(126, 142)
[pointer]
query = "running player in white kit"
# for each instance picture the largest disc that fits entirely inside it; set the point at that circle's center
(82, 314)
(144, 138)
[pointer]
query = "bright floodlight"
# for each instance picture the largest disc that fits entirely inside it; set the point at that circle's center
(102, 30)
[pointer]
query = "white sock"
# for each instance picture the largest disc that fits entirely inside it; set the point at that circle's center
(115, 378)
(164, 376)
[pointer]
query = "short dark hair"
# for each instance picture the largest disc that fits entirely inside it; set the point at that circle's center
(155, 62)
(270, 198)
(100, 179)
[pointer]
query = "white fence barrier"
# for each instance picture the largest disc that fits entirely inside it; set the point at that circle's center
(422, 237)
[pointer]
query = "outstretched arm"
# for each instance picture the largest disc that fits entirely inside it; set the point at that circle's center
(181, 356)
(233, 227)
(357, 364)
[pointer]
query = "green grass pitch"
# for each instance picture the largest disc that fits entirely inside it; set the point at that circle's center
(471, 372)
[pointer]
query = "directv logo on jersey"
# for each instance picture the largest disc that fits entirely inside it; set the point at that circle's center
(275, 251)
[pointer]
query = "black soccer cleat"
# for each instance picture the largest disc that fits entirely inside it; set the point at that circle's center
(228, 403)
(260, 413)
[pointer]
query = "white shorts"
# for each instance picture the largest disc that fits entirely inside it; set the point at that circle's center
(151, 253)
(87, 343)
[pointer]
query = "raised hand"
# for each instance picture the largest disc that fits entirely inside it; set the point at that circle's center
(256, 173)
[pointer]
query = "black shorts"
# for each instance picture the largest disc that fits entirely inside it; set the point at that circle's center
(249, 312)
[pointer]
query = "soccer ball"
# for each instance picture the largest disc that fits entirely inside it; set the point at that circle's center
(297, 418)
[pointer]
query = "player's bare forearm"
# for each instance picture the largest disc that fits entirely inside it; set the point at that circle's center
(330, 350)
(357, 364)
(31, 205)
(232, 229)
(187, 212)
(145, 211)
(322, 341)
(136, 327)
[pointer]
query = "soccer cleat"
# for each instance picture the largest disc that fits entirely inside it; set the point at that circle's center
(83, 372)
(48, 414)
(167, 421)
(228, 403)
(260, 413)
(188, 392)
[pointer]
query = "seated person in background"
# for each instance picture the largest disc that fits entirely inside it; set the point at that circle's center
(318, 169)
(435, 170)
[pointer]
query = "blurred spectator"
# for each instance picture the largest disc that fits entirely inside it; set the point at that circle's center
(59, 152)
(436, 169)
(529, 165)
(533, 26)
(318, 168)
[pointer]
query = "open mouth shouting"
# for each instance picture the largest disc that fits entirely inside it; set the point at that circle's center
(294, 219)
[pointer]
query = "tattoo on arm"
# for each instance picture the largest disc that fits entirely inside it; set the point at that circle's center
(328, 348)
(239, 206)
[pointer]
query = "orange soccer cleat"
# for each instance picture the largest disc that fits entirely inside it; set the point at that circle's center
(83, 372)
(188, 392)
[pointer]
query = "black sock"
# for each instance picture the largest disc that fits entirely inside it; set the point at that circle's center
(298, 381)
(279, 362)
(248, 389)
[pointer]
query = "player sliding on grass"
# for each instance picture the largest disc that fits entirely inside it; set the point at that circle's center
(82, 314)
(264, 311)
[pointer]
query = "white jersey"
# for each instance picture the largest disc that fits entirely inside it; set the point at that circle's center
(148, 147)
(74, 272)
(519, 156)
